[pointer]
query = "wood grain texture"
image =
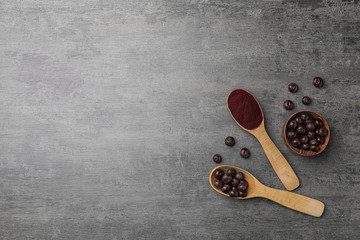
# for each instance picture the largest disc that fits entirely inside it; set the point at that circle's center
(294, 201)
(111, 111)
(281, 166)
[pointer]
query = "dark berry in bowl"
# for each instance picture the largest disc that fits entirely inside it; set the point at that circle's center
(226, 188)
(320, 140)
(242, 194)
(227, 179)
(239, 175)
(314, 148)
(296, 142)
(218, 183)
(304, 139)
(218, 174)
(304, 116)
(301, 129)
(234, 182)
(313, 142)
(291, 134)
(322, 132)
(305, 146)
(292, 124)
(299, 120)
(310, 126)
(243, 185)
(311, 134)
(231, 172)
(233, 193)
(318, 123)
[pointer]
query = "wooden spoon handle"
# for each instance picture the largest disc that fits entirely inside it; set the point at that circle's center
(295, 201)
(278, 162)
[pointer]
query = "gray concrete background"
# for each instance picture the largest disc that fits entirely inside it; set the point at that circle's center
(110, 112)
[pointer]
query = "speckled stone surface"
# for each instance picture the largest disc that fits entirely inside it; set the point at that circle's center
(110, 112)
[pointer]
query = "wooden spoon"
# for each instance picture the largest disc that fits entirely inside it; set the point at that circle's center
(291, 200)
(277, 160)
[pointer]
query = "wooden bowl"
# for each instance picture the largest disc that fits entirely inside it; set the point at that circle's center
(299, 151)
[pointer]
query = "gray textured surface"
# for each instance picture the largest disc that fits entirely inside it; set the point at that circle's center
(110, 112)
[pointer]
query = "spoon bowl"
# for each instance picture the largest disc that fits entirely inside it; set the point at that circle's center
(255, 188)
(253, 183)
(241, 113)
